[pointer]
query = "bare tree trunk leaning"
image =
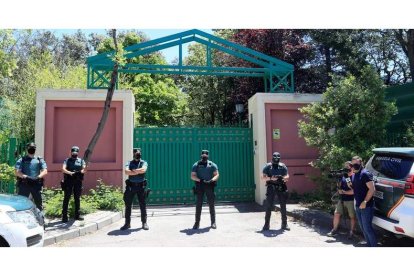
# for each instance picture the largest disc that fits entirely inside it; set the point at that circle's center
(107, 106)
(406, 40)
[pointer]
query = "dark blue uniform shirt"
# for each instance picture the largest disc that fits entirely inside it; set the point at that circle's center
(133, 165)
(73, 164)
(359, 183)
(31, 166)
(204, 171)
(270, 170)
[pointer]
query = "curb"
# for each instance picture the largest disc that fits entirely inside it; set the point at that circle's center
(81, 231)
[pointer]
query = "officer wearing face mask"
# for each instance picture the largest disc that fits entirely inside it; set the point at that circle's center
(205, 174)
(73, 170)
(276, 175)
(30, 171)
(135, 184)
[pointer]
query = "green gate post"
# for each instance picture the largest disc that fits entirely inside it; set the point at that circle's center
(11, 152)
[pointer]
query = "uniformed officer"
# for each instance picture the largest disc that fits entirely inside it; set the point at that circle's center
(30, 171)
(135, 184)
(205, 174)
(73, 171)
(276, 175)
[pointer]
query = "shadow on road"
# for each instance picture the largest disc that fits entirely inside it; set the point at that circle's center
(59, 225)
(123, 232)
(190, 231)
(271, 233)
(250, 207)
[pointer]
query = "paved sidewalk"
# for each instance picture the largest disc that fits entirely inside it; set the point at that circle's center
(57, 231)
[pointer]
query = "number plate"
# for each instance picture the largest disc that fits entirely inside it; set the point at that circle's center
(379, 194)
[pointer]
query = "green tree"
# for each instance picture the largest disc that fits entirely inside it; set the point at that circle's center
(209, 100)
(158, 101)
(8, 59)
(356, 109)
(39, 72)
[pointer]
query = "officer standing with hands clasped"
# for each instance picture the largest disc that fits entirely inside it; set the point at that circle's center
(276, 175)
(205, 174)
(30, 171)
(135, 184)
(73, 171)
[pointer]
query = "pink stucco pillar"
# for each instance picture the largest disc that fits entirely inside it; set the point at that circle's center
(70, 117)
(274, 118)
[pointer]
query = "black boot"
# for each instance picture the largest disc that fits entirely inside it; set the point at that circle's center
(126, 226)
(266, 227)
(145, 226)
(213, 225)
(196, 225)
(285, 227)
(79, 218)
(65, 219)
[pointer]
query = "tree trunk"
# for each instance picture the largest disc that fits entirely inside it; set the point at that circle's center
(406, 40)
(328, 63)
(410, 49)
(107, 106)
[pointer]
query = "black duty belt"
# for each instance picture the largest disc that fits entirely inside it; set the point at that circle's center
(136, 184)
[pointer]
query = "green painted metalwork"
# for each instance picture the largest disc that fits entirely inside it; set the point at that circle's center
(403, 95)
(171, 152)
(9, 153)
(277, 74)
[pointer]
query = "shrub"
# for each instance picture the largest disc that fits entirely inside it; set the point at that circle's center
(104, 197)
(6, 173)
(107, 197)
(53, 200)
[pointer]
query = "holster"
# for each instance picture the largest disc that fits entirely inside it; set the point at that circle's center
(63, 184)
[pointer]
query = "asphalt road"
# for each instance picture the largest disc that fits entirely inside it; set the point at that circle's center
(238, 226)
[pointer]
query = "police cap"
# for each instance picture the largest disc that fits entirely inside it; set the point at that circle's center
(276, 155)
(30, 145)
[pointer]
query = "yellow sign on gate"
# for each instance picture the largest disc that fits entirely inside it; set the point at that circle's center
(276, 134)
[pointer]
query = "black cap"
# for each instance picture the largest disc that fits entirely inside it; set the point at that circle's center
(136, 149)
(204, 152)
(30, 145)
(75, 149)
(276, 154)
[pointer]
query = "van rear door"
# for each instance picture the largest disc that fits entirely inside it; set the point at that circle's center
(390, 172)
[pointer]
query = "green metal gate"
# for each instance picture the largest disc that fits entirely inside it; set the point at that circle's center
(171, 152)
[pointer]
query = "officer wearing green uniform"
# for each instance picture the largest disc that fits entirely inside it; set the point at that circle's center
(73, 171)
(30, 171)
(205, 174)
(135, 184)
(276, 175)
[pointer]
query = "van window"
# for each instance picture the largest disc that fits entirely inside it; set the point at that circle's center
(395, 167)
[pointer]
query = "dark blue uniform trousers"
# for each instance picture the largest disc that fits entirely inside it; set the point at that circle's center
(129, 194)
(270, 197)
(208, 190)
(25, 188)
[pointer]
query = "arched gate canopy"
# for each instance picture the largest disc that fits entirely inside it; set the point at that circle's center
(277, 74)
